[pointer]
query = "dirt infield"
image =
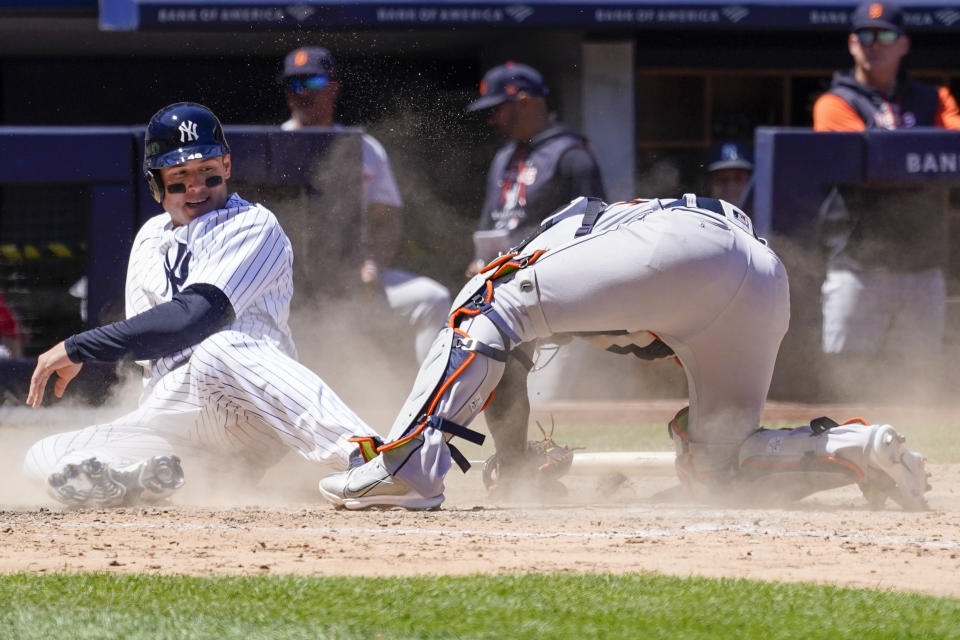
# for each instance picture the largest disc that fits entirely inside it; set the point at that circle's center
(605, 523)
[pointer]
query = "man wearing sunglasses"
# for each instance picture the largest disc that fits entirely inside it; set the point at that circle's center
(883, 299)
(876, 94)
(311, 88)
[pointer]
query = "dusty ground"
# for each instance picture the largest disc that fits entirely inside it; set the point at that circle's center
(828, 538)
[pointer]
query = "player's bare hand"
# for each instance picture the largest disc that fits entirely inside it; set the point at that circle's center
(370, 272)
(474, 268)
(52, 361)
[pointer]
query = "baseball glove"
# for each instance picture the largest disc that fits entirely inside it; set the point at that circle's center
(543, 462)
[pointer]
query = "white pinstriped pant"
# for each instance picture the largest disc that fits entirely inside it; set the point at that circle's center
(237, 400)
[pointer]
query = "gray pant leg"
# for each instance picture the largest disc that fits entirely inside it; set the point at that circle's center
(422, 302)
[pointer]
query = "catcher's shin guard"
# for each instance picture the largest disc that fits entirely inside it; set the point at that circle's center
(789, 464)
(458, 376)
(452, 387)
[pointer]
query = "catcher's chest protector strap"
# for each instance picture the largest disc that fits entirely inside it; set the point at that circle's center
(583, 204)
(595, 208)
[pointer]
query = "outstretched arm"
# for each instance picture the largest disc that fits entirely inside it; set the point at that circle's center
(193, 314)
(508, 414)
(53, 360)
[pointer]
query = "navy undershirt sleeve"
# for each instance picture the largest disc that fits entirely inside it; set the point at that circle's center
(193, 314)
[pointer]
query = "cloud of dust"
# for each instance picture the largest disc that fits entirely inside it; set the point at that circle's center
(805, 373)
(21, 427)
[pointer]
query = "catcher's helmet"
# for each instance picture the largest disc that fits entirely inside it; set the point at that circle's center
(177, 133)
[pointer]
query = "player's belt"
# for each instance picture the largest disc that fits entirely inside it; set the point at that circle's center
(710, 204)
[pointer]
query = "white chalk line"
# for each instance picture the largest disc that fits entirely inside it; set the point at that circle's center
(698, 528)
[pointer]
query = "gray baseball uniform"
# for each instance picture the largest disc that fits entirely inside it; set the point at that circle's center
(686, 278)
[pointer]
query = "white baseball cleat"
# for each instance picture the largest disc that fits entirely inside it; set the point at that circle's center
(96, 484)
(371, 485)
(895, 471)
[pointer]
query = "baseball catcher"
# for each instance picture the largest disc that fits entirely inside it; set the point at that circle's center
(675, 277)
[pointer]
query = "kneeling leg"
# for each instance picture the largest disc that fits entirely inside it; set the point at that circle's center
(789, 464)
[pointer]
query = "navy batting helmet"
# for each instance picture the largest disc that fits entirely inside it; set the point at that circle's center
(178, 133)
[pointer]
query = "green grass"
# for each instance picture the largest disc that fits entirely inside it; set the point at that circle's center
(565, 606)
(939, 442)
(611, 437)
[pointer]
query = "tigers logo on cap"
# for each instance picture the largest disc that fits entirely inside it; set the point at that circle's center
(505, 83)
(877, 15)
(308, 61)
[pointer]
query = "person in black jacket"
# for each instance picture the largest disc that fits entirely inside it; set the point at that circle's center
(543, 165)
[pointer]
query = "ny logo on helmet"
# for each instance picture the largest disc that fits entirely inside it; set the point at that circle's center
(188, 131)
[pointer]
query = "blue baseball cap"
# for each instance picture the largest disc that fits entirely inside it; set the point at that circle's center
(503, 83)
(309, 61)
(729, 155)
(877, 15)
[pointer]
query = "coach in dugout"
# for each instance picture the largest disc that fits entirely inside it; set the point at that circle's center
(884, 294)
(542, 165)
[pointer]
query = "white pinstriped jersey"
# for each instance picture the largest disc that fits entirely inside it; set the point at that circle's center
(240, 249)
(240, 394)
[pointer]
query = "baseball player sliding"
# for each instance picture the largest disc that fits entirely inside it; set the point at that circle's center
(684, 278)
(208, 293)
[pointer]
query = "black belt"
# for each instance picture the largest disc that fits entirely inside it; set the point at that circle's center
(710, 204)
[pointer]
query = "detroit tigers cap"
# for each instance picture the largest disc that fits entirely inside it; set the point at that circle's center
(309, 61)
(729, 155)
(877, 15)
(504, 82)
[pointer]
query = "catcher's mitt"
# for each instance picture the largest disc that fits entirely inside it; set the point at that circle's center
(543, 461)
